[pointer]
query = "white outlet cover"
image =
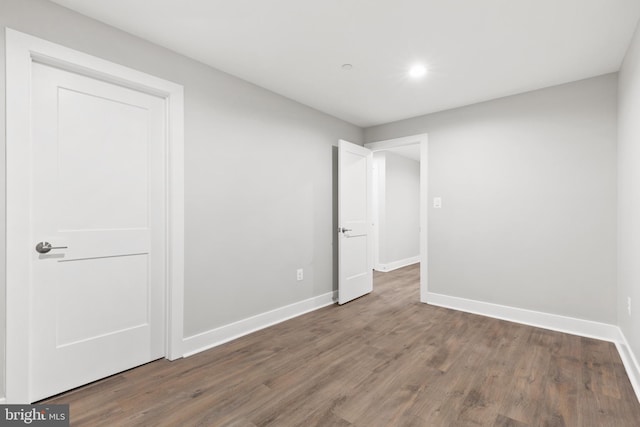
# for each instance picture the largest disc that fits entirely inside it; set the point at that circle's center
(437, 202)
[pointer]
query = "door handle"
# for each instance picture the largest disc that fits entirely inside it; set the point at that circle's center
(344, 230)
(44, 247)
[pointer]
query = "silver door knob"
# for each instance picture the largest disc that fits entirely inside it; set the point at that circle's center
(343, 230)
(44, 247)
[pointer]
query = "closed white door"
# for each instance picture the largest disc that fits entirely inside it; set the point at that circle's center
(98, 186)
(355, 230)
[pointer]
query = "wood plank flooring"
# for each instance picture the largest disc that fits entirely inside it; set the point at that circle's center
(382, 360)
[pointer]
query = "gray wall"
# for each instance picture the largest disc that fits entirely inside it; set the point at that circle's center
(259, 174)
(399, 207)
(629, 195)
(528, 187)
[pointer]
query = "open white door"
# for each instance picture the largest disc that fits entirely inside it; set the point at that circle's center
(355, 249)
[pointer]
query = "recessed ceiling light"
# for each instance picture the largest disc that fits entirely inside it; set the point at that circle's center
(417, 71)
(347, 66)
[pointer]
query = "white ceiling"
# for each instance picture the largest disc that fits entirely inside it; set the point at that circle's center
(475, 50)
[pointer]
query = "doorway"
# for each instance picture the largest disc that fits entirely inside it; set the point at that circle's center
(400, 205)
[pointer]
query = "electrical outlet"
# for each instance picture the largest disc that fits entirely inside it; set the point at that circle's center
(629, 305)
(299, 274)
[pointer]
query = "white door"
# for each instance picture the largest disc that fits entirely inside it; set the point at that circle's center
(98, 186)
(355, 230)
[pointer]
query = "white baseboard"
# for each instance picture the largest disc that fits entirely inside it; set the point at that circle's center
(209, 339)
(570, 325)
(630, 362)
(3, 400)
(554, 322)
(397, 264)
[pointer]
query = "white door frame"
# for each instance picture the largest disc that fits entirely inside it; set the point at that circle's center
(423, 140)
(21, 51)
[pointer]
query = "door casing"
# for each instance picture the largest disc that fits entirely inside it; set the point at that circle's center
(21, 51)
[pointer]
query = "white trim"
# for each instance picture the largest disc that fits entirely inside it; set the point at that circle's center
(386, 267)
(424, 216)
(215, 337)
(630, 363)
(396, 142)
(378, 215)
(21, 51)
(554, 322)
(175, 232)
(423, 140)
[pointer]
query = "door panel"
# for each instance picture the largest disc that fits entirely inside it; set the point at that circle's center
(115, 282)
(101, 163)
(98, 164)
(355, 176)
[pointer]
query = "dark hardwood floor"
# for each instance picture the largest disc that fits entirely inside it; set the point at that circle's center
(382, 360)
